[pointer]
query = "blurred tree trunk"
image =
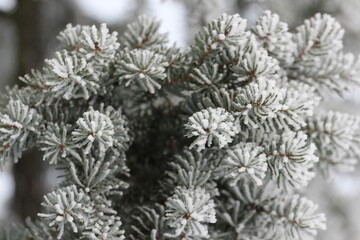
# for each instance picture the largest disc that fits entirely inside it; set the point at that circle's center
(28, 173)
(28, 23)
(35, 21)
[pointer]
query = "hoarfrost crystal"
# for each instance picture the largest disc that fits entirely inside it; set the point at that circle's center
(212, 126)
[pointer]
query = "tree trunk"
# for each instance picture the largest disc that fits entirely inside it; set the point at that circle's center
(28, 173)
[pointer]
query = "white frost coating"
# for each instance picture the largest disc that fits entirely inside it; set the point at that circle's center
(18, 126)
(336, 136)
(188, 211)
(206, 75)
(338, 72)
(230, 79)
(319, 35)
(65, 206)
(143, 67)
(70, 76)
(109, 229)
(333, 130)
(230, 29)
(94, 127)
(143, 33)
(255, 64)
(302, 213)
(221, 36)
(273, 35)
(211, 126)
(291, 159)
(99, 45)
(245, 159)
(225, 32)
(71, 36)
(56, 145)
(257, 102)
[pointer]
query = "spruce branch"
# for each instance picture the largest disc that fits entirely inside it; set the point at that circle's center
(319, 35)
(245, 159)
(56, 144)
(335, 137)
(109, 229)
(335, 73)
(291, 215)
(19, 126)
(143, 33)
(144, 67)
(178, 62)
(193, 169)
(211, 126)
(99, 175)
(70, 76)
(188, 211)
(274, 36)
(216, 98)
(36, 80)
(244, 100)
(254, 64)
(151, 223)
(71, 36)
(66, 206)
(224, 32)
(257, 102)
(206, 76)
(332, 130)
(94, 127)
(40, 230)
(98, 46)
(291, 159)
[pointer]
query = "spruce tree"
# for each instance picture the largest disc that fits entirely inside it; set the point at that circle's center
(217, 141)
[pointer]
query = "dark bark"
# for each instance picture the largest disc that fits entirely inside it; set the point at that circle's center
(28, 23)
(5, 15)
(29, 185)
(28, 173)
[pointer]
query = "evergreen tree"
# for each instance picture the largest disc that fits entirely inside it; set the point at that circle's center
(214, 142)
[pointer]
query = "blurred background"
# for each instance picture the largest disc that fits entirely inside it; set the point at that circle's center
(28, 30)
